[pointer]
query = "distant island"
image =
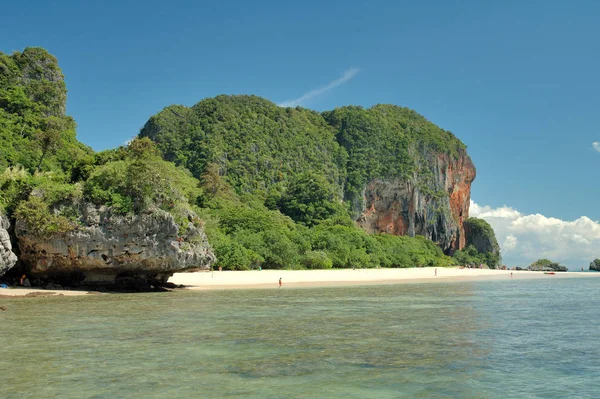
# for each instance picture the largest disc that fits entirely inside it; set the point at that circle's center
(234, 182)
(546, 265)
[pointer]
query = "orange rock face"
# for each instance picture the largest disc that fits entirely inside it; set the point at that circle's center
(434, 206)
(460, 175)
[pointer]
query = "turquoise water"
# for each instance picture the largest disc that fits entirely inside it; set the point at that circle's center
(510, 339)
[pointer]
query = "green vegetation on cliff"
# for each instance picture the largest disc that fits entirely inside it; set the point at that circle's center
(471, 256)
(258, 145)
(387, 141)
(547, 265)
(246, 234)
(481, 244)
(34, 131)
(255, 143)
(273, 187)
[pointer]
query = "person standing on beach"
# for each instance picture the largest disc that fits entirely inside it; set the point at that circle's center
(436, 271)
(279, 282)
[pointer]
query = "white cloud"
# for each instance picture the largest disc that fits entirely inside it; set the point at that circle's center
(596, 145)
(510, 243)
(525, 238)
(346, 76)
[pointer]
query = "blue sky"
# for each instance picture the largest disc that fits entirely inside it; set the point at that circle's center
(517, 81)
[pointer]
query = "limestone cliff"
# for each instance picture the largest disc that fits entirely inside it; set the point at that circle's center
(397, 172)
(7, 257)
(106, 246)
(434, 207)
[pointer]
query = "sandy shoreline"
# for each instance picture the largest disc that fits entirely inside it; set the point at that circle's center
(316, 278)
(339, 277)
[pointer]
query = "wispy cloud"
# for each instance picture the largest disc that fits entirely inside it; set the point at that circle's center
(346, 76)
(596, 145)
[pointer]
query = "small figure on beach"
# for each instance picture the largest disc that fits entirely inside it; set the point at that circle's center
(511, 274)
(279, 282)
(24, 281)
(220, 269)
(436, 271)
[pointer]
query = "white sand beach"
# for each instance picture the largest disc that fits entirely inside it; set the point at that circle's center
(337, 277)
(215, 280)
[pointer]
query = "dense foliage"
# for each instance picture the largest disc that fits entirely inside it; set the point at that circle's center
(34, 131)
(258, 145)
(481, 244)
(267, 183)
(543, 262)
(480, 228)
(470, 256)
(254, 143)
(387, 141)
(245, 234)
(311, 167)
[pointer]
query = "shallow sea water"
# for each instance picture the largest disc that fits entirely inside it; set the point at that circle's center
(510, 339)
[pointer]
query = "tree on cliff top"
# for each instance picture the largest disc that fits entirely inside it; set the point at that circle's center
(34, 131)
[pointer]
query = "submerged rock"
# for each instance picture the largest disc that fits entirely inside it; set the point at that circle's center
(106, 248)
(7, 257)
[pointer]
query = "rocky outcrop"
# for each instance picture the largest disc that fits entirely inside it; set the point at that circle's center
(106, 247)
(7, 257)
(544, 265)
(595, 265)
(435, 207)
(480, 234)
